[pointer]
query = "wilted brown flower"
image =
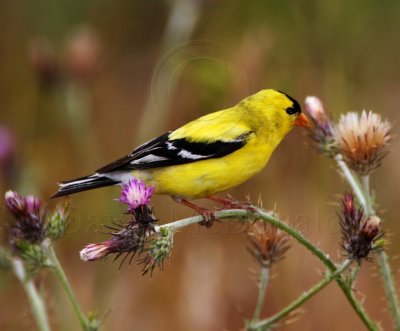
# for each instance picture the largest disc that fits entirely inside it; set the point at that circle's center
(362, 140)
(321, 132)
(268, 243)
(358, 233)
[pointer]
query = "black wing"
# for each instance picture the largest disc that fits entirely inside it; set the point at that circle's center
(162, 152)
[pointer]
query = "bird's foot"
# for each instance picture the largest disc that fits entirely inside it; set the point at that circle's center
(208, 218)
(232, 203)
(208, 215)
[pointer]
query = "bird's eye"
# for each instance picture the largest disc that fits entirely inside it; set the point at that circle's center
(291, 110)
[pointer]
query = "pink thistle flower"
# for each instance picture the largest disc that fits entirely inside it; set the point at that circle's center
(93, 252)
(15, 203)
(32, 205)
(136, 194)
(317, 113)
(130, 239)
(27, 211)
(322, 127)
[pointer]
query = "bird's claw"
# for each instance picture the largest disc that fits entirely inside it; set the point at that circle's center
(232, 203)
(208, 218)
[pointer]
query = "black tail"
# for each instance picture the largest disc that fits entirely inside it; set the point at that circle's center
(83, 184)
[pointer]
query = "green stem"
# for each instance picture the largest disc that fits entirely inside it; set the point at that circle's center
(257, 213)
(352, 180)
(37, 304)
(266, 323)
(390, 289)
(368, 200)
(364, 198)
(353, 275)
(264, 278)
(59, 272)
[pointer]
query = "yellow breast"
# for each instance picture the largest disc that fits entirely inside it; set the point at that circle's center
(208, 177)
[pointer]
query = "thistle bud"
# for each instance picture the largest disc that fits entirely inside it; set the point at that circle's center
(358, 234)
(29, 225)
(268, 243)
(370, 228)
(130, 240)
(362, 140)
(322, 127)
(159, 249)
(93, 252)
(15, 204)
(34, 256)
(57, 222)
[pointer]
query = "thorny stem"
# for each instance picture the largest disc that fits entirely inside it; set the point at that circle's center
(59, 272)
(390, 289)
(37, 305)
(268, 322)
(353, 275)
(364, 197)
(263, 283)
(269, 217)
(351, 179)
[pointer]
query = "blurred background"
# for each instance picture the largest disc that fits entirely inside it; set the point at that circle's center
(83, 82)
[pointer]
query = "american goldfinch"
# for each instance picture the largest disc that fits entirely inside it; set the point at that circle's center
(206, 156)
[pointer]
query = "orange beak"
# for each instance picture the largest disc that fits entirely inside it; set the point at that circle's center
(302, 120)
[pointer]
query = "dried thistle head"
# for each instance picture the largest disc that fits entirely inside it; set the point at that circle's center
(362, 139)
(359, 234)
(268, 244)
(321, 132)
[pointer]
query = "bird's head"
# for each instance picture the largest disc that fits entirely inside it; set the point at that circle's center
(278, 111)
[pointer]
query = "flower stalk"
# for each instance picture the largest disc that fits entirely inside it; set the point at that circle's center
(363, 195)
(269, 322)
(62, 277)
(390, 289)
(37, 304)
(269, 217)
(263, 283)
(369, 208)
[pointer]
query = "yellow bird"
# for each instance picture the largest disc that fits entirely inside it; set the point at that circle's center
(206, 156)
